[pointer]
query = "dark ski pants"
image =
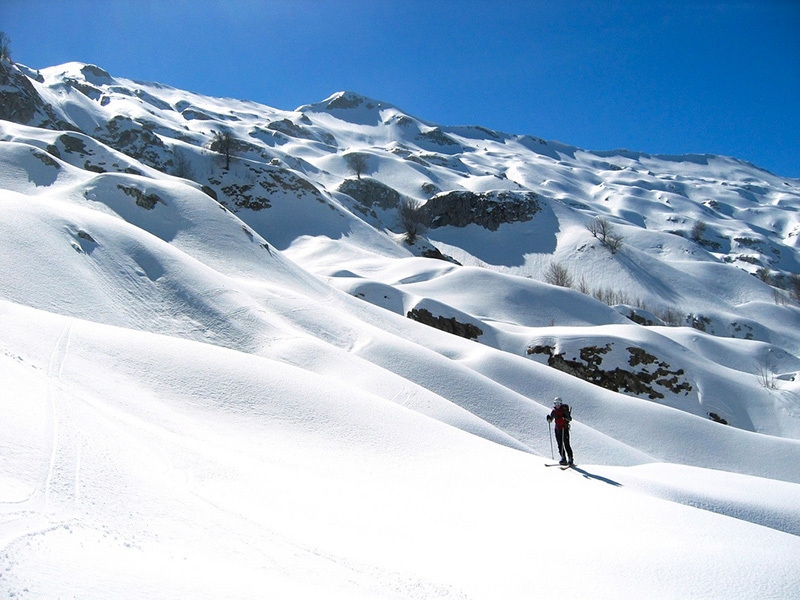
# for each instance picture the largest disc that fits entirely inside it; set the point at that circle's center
(562, 438)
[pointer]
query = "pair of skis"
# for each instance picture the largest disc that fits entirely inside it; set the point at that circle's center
(562, 467)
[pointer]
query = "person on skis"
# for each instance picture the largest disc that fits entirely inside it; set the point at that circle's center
(562, 416)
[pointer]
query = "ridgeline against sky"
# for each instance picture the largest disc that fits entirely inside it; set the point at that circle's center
(669, 78)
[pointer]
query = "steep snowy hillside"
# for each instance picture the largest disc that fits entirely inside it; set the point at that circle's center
(337, 185)
(309, 353)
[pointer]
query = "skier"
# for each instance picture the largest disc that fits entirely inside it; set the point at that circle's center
(561, 415)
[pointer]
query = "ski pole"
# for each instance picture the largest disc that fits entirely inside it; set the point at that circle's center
(550, 429)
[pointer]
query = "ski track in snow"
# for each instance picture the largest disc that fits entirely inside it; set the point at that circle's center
(53, 505)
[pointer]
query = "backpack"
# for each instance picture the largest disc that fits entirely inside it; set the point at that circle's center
(563, 416)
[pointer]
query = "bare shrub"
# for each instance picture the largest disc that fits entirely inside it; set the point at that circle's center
(794, 286)
(670, 317)
(411, 219)
(181, 166)
(765, 275)
(603, 230)
(557, 274)
(224, 143)
(614, 243)
(357, 162)
(583, 286)
(611, 297)
(599, 227)
(698, 230)
(766, 376)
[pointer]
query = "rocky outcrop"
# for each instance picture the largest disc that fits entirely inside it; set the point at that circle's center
(651, 373)
(460, 208)
(143, 199)
(21, 103)
(347, 100)
(137, 141)
(275, 180)
(269, 181)
(242, 197)
(370, 192)
(451, 325)
(438, 137)
(435, 253)
(293, 130)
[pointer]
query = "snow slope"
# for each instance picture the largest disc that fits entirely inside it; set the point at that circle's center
(223, 397)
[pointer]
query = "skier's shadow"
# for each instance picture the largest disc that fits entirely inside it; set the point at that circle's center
(588, 475)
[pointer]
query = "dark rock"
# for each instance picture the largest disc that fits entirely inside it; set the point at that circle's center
(209, 192)
(277, 180)
(46, 159)
(21, 103)
(346, 100)
(144, 200)
(639, 382)
(73, 144)
(460, 208)
(438, 137)
(437, 254)
(715, 417)
(370, 192)
(242, 198)
(451, 325)
(96, 75)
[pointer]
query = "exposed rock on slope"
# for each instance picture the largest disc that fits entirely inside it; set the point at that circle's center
(450, 325)
(696, 228)
(460, 208)
(651, 379)
(21, 103)
(371, 192)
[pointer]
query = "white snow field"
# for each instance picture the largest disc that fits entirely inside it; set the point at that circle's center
(225, 397)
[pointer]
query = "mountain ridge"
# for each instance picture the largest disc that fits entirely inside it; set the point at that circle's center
(310, 353)
(480, 196)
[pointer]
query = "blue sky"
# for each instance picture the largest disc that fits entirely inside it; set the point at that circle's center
(660, 77)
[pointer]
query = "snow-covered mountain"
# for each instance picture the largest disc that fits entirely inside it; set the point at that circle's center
(251, 352)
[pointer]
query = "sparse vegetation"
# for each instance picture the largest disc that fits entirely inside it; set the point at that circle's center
(794, 286)
(602, 229)
(670, 317)
(766, 375)
(698, 230)
(224, 143)
(557, 274)
(583, 286)
(357, 162)
(182, 167)
(411, 219)
(765, 275)
(779, 297)
(614, 297)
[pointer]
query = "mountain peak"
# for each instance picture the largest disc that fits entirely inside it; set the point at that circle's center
(351, 107)
(78, 70)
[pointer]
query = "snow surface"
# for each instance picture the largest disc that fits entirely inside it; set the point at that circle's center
(203, 400)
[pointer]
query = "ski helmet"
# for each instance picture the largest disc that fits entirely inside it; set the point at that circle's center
(557, 401)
